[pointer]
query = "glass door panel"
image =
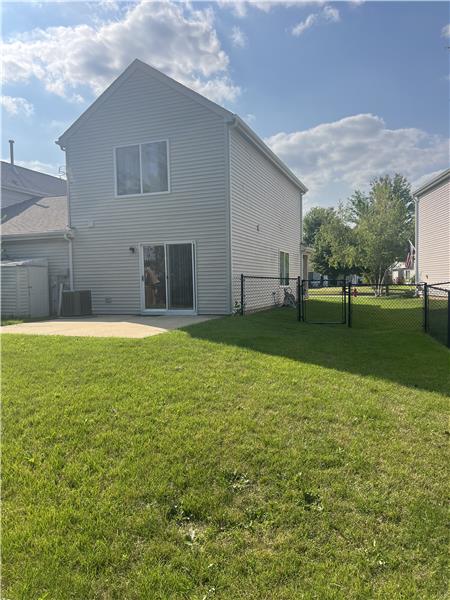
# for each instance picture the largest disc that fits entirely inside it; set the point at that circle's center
(181, 287)
(155, 277)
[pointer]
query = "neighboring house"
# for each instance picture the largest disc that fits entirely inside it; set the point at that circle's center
(34, 222)
(433, 230)
(400, 273)
(307, 253)
(171, 198)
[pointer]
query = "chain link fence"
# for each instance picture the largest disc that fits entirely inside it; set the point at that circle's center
(437, 307)
(390, 306)
(257, 293)
(407, 307)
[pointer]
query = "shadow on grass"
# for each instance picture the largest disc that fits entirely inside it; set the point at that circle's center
(377, 346)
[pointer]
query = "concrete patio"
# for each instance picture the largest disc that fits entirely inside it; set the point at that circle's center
(125, 326)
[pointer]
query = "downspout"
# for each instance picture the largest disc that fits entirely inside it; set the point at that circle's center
(69, 233)
(68, 236)
(416, 241)
(229, 124)
(301, 236)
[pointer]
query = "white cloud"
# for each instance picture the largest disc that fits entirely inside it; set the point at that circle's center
(335, 158)
(238, 37)
(16, 106)
(425, 178)
(37, 165)
(250, 118)
(446, 31)
(239, 9)
(327, 14)
(175, 38)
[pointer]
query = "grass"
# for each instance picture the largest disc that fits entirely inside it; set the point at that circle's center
(11, 321)
(254, 457)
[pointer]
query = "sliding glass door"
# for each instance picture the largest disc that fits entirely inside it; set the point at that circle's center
(168, 277)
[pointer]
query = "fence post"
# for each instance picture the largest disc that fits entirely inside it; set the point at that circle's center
(448, 319)
(299, 299)
(349, 309)
(425, 307)
(242, 294)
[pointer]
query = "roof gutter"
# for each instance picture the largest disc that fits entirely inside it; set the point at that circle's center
(237, 123)
(441, 178)
(42, 235)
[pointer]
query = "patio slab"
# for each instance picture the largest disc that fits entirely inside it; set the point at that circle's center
(125, 326)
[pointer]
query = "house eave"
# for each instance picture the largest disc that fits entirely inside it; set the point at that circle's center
(432, 183)
(41, 235)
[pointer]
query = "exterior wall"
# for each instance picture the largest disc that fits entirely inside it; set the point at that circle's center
(106, 227)
(433, 244)
(9, 291)
(55, 250)
(265, 214)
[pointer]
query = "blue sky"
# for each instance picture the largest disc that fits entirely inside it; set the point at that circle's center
(342, 91)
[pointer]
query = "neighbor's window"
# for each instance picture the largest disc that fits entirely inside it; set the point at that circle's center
(142, 169)
(284, 268)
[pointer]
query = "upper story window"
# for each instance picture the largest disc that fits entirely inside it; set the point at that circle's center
(142, 169)
(284, 268)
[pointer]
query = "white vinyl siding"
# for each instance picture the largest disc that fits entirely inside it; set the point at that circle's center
(433, 244)
(55, 250)
(106, 227)
(265, 214)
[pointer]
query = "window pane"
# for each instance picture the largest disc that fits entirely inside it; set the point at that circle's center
(154, 167)
(128, 171)
(154, 277)
(284, 268)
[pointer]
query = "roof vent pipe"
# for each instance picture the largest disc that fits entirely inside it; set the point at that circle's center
(11, 151)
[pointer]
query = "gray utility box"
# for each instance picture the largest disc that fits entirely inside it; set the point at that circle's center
(76, 304)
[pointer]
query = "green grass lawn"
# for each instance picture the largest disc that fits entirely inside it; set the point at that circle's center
(253, 457)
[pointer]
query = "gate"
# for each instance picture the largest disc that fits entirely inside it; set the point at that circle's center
(324, 302)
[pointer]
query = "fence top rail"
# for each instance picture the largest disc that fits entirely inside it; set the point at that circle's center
(278, 277)
(435, 287)
(438, 283)
(383, 285)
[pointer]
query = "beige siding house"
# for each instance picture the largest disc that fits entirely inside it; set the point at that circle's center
(433, 230)
(171, 197)
(34, 224)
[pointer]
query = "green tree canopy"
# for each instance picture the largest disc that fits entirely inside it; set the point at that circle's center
(382, 227)
(367, 235)
(333, 247)
(313, 221)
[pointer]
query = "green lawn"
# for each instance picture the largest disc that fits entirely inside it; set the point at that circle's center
(253, 457)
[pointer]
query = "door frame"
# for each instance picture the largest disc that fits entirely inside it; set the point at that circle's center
(167, 311)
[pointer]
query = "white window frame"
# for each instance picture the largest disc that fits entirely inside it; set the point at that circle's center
(141, 193)
(279, 267)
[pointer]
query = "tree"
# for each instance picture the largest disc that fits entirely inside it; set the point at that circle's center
(313, 221)
(334, 247)
(383, 225)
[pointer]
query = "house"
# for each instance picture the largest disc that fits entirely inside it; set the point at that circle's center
(171, 198)
(34, 222)
(401, 273)
(433, 230)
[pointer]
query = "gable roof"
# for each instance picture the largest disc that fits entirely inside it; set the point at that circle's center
(31, 182)
(120, 80)
(431, 183)
(229, 117)
(38, 215)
